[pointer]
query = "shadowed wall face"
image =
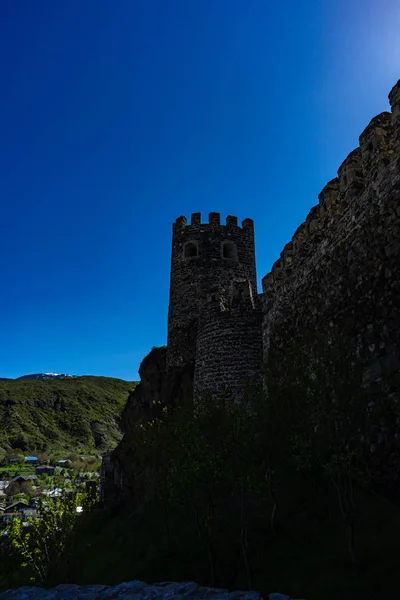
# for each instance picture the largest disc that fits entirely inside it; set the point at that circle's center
(229, 343)
(339, 277)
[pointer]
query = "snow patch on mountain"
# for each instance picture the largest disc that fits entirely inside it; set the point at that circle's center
(46, 376)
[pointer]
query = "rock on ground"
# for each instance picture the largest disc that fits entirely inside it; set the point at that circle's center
(134, 590)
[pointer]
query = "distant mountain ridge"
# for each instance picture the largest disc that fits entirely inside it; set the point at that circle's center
(45, 376)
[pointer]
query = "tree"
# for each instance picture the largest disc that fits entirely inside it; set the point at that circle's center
(15, 488)
(42, 544)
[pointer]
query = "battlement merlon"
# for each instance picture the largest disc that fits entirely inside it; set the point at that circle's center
(350, 173)
(287, 255)
(214, 220)
(379, 127)
(195, 219)
(394, 100)
(328, 198)
(181, 221)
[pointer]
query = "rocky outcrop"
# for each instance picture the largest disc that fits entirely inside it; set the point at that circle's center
(135, 590)
(157, 389)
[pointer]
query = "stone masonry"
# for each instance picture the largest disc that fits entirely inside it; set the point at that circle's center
(229, 342)
(214, 310)
(339, 277)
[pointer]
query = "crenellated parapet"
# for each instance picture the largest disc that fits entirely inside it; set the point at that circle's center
(339, 277)
(307, 234)
(361, 180)
(214, 221)
(377, 144)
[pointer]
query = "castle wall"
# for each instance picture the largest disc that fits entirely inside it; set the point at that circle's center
(339, 277)
(193, 276)
(229, 344)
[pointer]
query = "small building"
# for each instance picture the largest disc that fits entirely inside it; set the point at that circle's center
(18, 510)
(56, 493)
(17, 507)
(63, 463)
(45, 470)
(13, 460)
(3, 487)
(24, 478)
(11, 516)
(32, 460)
(29, 512)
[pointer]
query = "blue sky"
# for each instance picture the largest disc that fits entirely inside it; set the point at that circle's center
(118, 116)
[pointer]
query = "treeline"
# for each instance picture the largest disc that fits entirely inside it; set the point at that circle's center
(295, 490)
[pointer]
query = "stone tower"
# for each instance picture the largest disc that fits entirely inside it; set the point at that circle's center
(214, 318)
(204, 257)
(229, 342)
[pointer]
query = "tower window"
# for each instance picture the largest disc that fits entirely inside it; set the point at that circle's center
(190, 250)
(229, 250)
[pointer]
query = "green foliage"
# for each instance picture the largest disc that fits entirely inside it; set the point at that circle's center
(276, 492)
(22, 468)
(59, 415)
(40, 546)
(237, 498)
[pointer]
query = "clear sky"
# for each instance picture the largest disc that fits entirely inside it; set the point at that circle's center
(117, 116)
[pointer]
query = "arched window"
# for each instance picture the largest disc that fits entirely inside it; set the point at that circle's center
(229, 250)
(190, 250)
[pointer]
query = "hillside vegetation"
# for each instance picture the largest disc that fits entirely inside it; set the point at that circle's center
(79, 414)
(293, 489)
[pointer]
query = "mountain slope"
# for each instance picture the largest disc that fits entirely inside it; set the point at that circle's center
(78, 413)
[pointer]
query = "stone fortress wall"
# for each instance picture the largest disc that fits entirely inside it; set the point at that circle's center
(340, 274)
(337, 279)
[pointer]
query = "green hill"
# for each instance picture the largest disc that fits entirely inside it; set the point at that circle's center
(79, 414)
